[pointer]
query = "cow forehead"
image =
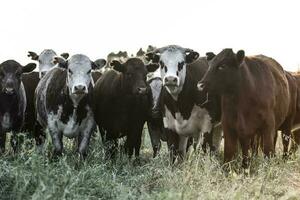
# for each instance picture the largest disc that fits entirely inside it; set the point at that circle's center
(171, 58)
(79, 63)
(47, 55)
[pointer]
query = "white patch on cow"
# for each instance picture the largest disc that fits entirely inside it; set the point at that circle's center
(6, 122)
(171, 58)
(70, 129)
(199, 122)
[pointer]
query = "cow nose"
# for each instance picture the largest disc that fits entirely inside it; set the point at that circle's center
(171, 80)
(142, 90)
(79, 89)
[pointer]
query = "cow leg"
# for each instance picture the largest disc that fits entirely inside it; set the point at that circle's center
(110, 143)
(172, 142)
(182, 147)
(245, 144)
(15, 141)
(230, 145)
(207, 142)
(138, 141)
(295, 141)
(285, 136)
(268, 140)
(83, 143)
(2, 142)
(39, 136)
(57, 142)
(155, 135)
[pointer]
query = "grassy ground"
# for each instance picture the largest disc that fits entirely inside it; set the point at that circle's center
(30, 175)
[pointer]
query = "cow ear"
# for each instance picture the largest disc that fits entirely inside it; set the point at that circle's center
(33, 55)
(210, 56)
(98, 64)
(153, 56)
(117, 66)
(65, 55)
(152, 67)
(28, 68)
(240, 55)
(191, 56)
(60, 61)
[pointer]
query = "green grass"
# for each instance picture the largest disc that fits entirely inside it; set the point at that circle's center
(30, 175)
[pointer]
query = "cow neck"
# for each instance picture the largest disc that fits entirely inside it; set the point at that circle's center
(186, 98)
(243, 94)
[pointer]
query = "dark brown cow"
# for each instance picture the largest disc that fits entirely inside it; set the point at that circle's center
(296, 127)
(255, 99)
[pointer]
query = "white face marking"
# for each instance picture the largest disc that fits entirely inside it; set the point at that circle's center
(45, 61)
(199, 122)
(79, 77)
(156, 86)
(6, 122)
(71, 129)
(170, 71)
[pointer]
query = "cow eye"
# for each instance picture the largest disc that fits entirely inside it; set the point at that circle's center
(180, 66)
(162, 65)
(89, 71)
(70, 71)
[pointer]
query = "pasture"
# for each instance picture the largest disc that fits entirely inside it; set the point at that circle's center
(30, 175)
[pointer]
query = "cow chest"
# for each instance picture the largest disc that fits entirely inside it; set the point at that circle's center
(199, 121)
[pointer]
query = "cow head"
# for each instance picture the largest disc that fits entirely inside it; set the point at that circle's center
(79, 76)
(173, 61)
(134, 73)
(10, 75)
(222, 75)
(45, 60)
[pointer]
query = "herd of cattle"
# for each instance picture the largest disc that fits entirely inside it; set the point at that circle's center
(184, 99)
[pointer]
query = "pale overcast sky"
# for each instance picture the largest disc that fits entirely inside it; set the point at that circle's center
(97, 27)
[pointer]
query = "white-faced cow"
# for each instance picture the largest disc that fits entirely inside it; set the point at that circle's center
(186, 111)
(63, 101)
(12, 100)
(121, 100)
(30, 81)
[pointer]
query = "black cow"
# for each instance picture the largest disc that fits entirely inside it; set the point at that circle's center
(186, 111)
(122, 102)
(63, 102)
(12, 100)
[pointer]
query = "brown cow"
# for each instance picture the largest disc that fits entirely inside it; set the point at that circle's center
(255, 99)
(296, 127)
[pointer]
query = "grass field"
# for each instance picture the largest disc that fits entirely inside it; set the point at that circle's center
(30, 175)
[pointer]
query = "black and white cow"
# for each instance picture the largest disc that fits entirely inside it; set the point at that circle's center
(63, 101)
(186, 111)
(122, 102)
(12, 100)
(155, 120)
(30, 81)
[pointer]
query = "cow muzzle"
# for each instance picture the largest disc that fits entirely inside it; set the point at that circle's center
(79, 89)
(171, 81)
(9, 90)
